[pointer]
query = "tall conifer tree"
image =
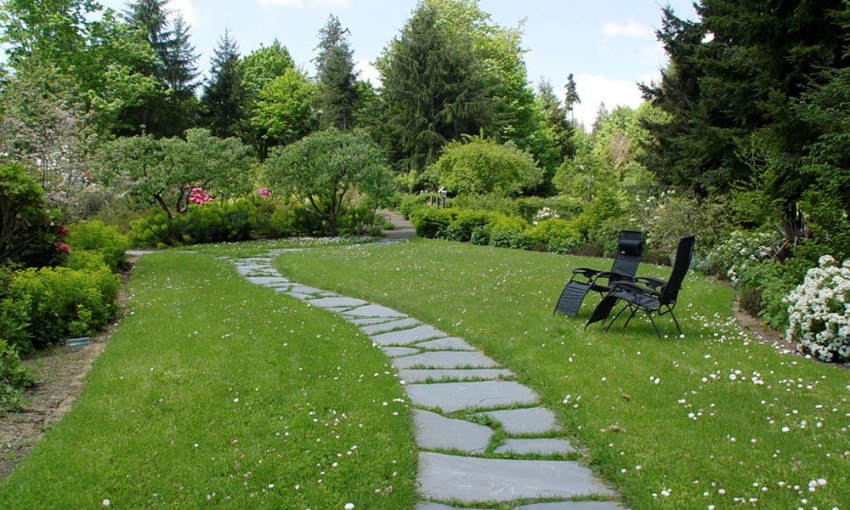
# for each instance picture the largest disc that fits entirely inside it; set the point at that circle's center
(222, 104)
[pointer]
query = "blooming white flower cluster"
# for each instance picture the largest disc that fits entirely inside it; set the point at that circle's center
(740, 250)
(819, 310)
(544, 214)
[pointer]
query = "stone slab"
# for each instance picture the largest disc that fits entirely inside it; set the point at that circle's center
(435, 432)
(374, 329)
(535, 420)
(470, 479)
(414, 375)
(573, 505)
(408, 336)
(397, 352)
(267, 280)
(369, 320)
(446, 344)
(373, 311)
(304, 289)
(437, 506)
(337, 302)
(299, 295)
(542, 446)
(455, 396)
(446, 359)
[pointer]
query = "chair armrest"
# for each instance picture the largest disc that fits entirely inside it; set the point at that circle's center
(648, 281)
(634, 288)
(586, 272)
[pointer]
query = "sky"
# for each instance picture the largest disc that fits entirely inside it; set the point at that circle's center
(608, 45)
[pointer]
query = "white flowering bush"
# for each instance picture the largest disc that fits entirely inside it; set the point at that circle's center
(740, 251)
(819, 311)
(544, 214)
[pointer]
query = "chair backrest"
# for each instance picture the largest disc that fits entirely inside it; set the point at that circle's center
(629, 249)
(684, 254)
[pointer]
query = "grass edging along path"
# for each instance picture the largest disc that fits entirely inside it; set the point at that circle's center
(218, 391)
(712, 420)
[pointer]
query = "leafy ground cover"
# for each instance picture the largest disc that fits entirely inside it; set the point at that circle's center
(714, 419)
(216, 391)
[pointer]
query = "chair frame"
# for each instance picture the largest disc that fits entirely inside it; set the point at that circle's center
(585, 279)
(651, 295)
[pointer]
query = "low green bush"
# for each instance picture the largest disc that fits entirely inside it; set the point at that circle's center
(28, 229)
(466, 223)
(509, 232)
(52, 304)
(431, 222)
(555, 235)
(14, 379)
(101, 238)
(763, 287)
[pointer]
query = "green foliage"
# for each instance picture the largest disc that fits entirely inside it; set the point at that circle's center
(431, 222)
(163, 171)
(209, 223)
(58, 303)
(763, 288)
(508, 232)
(481, 166)
(99, 237)
(283, 111)
(27, 228)
(14, 378)
(278, 217)
(336, 97)
(434, 89)
(223, 99)
(466, 223)
(327, 168)
(555, 235)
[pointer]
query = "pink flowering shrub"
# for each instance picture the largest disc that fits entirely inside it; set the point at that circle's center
(199, 196)
(819, 311)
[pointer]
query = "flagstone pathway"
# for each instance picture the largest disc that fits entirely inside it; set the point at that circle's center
(462, 400)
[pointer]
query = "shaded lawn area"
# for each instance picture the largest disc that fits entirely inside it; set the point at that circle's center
(217, 391)
(714, 418)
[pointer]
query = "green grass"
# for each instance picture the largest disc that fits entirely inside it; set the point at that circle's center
(713, 418)
(217, 391)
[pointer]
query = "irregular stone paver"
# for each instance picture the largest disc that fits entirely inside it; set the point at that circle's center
(304, 289)
(446, 359)
(267, 280)
(535, 420)
(414, 375)
(298, 295)
(438, 506)
(373, 311)
(471, 479)
(374, 329)
(535, 446)
(450, 343)
(451, 397)
(397, 352)
(437, 432)
(337, 302)
(573, 505)
(369, 320)
(408, 336)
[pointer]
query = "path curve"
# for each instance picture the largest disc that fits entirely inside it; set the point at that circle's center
(462, 400)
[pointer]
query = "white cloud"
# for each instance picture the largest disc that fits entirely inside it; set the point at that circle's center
(366, 71)
(185, 8)
(628, 29)
(300, 4)
(594, 90)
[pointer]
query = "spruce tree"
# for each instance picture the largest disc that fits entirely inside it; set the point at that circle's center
(222, 104)
(337, 92)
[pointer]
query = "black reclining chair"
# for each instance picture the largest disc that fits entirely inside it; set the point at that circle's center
(585, 279)
(651, 295)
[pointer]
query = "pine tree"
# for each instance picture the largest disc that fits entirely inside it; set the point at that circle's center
(337, 92)
(222, 104)
(434, 91)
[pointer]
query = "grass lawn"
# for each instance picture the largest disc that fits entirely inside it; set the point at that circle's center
(711, 420)
(219, 392)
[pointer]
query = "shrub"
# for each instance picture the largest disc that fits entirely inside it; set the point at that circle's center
(432, 223)
(466, 223)
(57, 303)
(14, 378)
(99, 237)
(739, 251)
(509, 232)
(28, 231)
(763, 287)
(819, 310)
(555, 234)
(478, 165)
